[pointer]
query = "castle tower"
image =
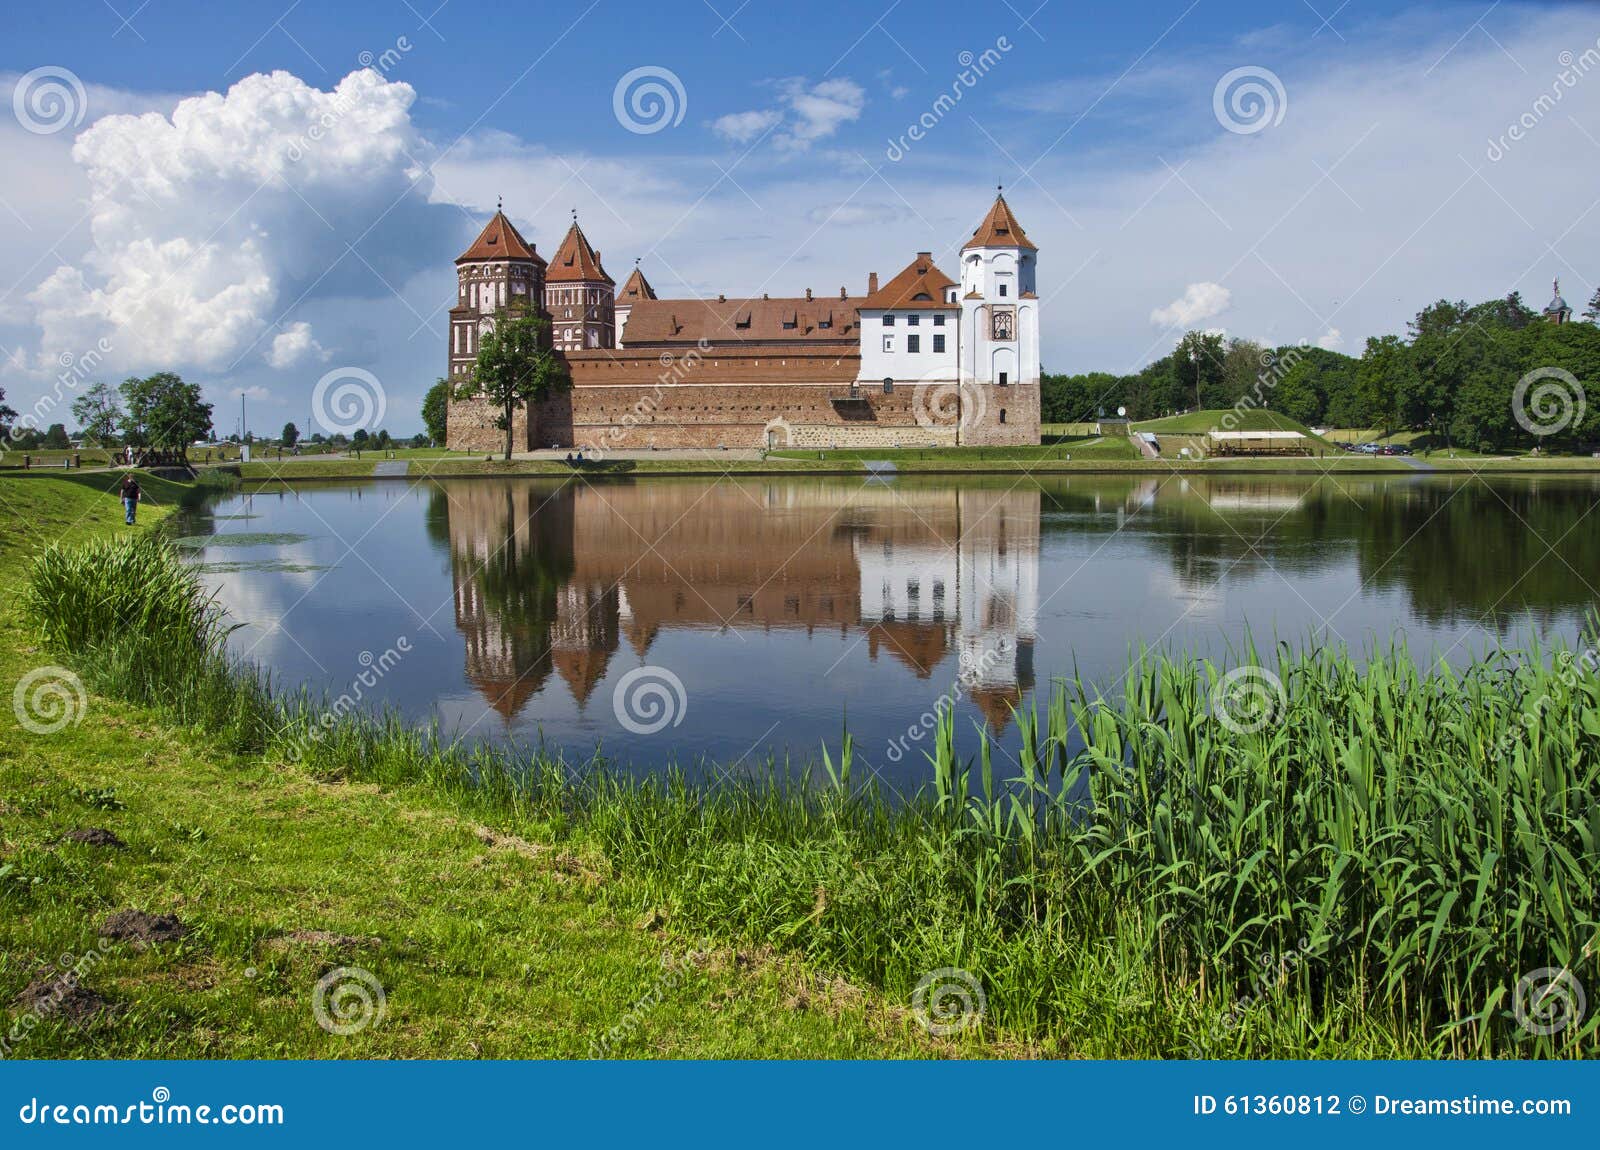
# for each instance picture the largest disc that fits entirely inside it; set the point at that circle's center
(1557, 311)
(636, 289)
(579, 296)
(499, 270)
(1000, 332)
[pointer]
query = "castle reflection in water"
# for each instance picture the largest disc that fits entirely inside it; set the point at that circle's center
(550, 581)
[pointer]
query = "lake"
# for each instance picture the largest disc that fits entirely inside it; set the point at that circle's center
(715, 623)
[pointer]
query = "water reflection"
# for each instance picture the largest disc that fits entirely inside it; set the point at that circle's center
(554, 578)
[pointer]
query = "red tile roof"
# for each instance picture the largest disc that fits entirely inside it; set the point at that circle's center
(575, 261)
(920, 285)
(500, 240)
(636, 288)
(1000, 229)
(740, 321)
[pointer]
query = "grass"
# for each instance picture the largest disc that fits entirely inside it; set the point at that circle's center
(1087, 447)
(1200, 422)
(1370, 873)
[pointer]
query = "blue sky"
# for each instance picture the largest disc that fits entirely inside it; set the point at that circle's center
(186, 215)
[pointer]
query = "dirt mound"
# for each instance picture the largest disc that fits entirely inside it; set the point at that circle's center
(94, 837)
(138, 927)
(55, 995)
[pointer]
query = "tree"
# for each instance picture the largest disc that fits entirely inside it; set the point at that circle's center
(420, 440)
(7, 414)
(382, 440)
(1592, 312)
(1197, 365)
(516, 368)
(359, 439)
(1387, 375)
(290, 436)
(436, 410)
(98, 413)
(164, 411)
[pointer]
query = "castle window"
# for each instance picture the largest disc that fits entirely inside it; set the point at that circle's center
(888, 343)
(1003, 289)
(938, 319)
(1002, 415)
(913, 344)
(888, 385)
(938, 344)
(1003, 379)
(825, 324)
(913, 320)
(888, 320)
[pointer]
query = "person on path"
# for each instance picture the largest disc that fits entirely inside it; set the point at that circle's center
(130, 497)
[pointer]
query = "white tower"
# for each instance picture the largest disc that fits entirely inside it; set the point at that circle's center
(1000, 331)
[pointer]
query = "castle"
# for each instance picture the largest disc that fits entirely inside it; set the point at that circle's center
(921, 360)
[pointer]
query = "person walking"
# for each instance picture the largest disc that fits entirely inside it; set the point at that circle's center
(130, 497)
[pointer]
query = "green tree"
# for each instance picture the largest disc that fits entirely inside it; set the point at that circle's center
(1196, 368)
(516, 368)
(382, 440)
(163, 410)
(1592, 312)
(290, 436)
(436, 411)
(98, 413)
(1386, 377)
(359, 439)
(7, 414)
(55, 437)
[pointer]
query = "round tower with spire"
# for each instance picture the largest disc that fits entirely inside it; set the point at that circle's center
(1557, 311)
(500, 270)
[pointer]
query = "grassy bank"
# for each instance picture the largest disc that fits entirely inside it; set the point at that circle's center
(1372, 872)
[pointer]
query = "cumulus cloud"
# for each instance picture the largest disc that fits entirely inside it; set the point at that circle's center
(1331, 340)
(1199, 301)
(742, 127)
(294, 344)
(206, 222)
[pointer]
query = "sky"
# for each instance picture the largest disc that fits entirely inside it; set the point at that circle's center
(268, 197)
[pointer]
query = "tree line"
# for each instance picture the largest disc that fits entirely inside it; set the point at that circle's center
(1491, 376)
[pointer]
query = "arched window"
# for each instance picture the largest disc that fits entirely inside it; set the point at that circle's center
(888, 385)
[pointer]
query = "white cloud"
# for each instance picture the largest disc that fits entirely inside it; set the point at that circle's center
(807, 113)
(203, 222)
(293, 345)
(1199, 301)
(1331, 340)
(254, 391)
(742, 127)
(818, 111)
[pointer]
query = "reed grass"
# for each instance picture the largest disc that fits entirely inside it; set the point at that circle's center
(1371, 873)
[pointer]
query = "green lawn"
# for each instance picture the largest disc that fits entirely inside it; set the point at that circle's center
(1200, 422)
(488, 941)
